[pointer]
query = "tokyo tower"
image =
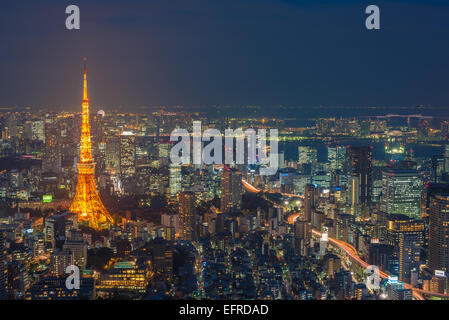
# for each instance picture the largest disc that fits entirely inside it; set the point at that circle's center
(87, 203)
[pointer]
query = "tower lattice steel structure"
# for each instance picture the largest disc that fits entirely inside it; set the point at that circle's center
(87, 203)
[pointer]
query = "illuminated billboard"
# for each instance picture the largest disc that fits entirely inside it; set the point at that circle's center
(440, 273)
(47, 198)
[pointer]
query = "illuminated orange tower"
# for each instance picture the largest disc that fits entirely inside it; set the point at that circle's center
(87, 203)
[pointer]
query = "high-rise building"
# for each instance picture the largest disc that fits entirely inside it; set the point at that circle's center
(87, 203)
(19, 279)
(444, 127)
(310, 197)
(342, 285)
(437, 163)
(439, 232)
(56, 227)
(401, 192)
(281, 160)
(379, 254)
(51, 162)
(307, 158)
(78, 248)
(354, 193)
(175, 179)
(171, 223)
(397, 291)
(162, 258)
(49, 232)
(113, 154)
(60, 260)
(431, 190)
(187, 215)
(336, 155)
(446, 158)
(406, 235)
(360, 163)
(38, 130)
(164, 153)
(231, 190)
(306, 154)
(127, 153)
(332, 264)
(12, 124)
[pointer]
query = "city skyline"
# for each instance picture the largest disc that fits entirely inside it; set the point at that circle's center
(249, 153)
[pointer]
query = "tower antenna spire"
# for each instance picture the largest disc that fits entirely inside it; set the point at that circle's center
(85, 80)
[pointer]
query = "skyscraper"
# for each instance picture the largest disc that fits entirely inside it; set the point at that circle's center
(354, 193)
(38, 130)
(307, 158)
(360, 163)
(60, 260)
(437, 163)
(187, 215)
(310, 194)
(446, 158)
(336, 156)
(162, 258)
(306, 155)
(401, 192)
(127, 153)
(431, 190)
(175, 179)
(87, 203)
(78, 249)
(231, 190)
(51, 162)
(439, 232)
(406, 235)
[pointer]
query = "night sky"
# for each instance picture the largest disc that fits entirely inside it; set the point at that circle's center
(227, 52)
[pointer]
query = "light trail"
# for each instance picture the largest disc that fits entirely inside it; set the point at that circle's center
(349, 249)
(352, 252)
(253, 189)
(249, 187)
(291, 219)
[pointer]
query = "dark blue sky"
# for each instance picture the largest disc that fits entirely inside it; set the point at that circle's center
(233, 52)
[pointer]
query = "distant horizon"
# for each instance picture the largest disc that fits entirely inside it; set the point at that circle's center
(247, 106)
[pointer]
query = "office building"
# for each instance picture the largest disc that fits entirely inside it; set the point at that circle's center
(231, 191)
(401, 192)
(360, 164)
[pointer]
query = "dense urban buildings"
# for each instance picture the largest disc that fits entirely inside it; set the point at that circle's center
(98, 190)
(401, 192)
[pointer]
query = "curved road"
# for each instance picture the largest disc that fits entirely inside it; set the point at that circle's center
(253, 189)
(352, 252)
(349, 249)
